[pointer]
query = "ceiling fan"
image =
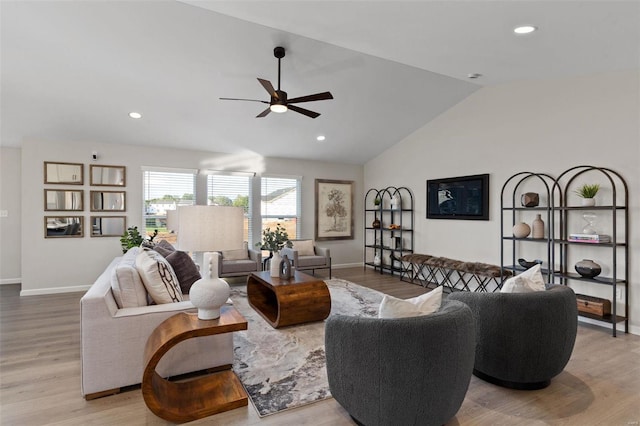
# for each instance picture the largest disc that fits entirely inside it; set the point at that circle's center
(279, 102)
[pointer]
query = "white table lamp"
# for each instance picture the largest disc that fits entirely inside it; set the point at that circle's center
(209, 228)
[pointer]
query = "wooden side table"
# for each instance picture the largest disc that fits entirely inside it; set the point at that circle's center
(196, 398)
(300, 299)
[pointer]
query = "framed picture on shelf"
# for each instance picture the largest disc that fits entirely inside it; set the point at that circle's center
(334, 209)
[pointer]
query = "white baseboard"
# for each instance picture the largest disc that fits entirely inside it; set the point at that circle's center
(55, 290)
(619, 326)
(10, 281)
(346, 265)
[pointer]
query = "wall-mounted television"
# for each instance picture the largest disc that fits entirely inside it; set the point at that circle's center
(464, 197)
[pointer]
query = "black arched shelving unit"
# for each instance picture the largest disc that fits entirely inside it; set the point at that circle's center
(394, 237)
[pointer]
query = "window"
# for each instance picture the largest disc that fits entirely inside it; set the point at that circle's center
(280, 203)
(163, 190)
(232, 190)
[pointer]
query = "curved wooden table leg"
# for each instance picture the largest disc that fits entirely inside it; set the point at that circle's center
(200, 397)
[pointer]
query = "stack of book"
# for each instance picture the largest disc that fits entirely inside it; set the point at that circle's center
(590, 238)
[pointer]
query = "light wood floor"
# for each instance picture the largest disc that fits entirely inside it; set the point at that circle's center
(40, 376)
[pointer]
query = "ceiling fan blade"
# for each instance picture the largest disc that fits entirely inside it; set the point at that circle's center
(303, 111)
(264, 113)
(309, 98)
(269, 88)
(240, 99)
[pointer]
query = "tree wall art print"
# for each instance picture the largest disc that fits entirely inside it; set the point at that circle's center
(334, 209)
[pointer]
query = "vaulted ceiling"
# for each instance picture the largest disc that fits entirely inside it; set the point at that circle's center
(74, 70)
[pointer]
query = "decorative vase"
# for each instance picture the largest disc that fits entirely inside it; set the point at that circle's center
(588, 202)
(208, 295)
(395, 201)
(376, 260)
(376, 223)
(537, 227)
(274, 267)
(285, 268)
(521, 230)
(588, 268)
(530, 199)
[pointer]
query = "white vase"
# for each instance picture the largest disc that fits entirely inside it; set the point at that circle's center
(588, 202)
(274, 269)
(208, 295)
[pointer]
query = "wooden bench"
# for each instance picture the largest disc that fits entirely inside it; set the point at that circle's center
(453, 275)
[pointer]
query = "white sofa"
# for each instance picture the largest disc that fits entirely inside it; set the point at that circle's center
(113, 341)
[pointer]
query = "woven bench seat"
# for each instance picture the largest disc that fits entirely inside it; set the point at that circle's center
(454, 275)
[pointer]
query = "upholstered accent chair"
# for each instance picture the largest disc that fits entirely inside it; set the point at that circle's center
(401, 371)
(523, 339)
(305, 256)
(234, 263)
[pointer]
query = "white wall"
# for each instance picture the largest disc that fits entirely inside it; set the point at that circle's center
(544, 126)
(69, 264)
(10, 242)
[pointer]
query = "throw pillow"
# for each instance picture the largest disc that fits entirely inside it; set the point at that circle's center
(164, 248)
(185, 269)
(240, 254)
(428, 303)
(304, 247)
(126, 284)
(158, 277)
(528, 281)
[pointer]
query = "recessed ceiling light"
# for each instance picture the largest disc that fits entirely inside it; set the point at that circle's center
(320, 138)
(135, 115)
(524, 29)
(474, 75)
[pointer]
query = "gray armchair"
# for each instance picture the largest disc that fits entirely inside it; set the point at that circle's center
(523, 339)
(404, 371)
(234, 263)
(305, 255)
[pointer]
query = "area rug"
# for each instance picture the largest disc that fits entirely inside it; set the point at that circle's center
(285, 368)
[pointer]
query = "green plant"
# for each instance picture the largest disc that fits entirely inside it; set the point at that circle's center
(274, 240)
(133, 238)
(376, 201)
(587, 191)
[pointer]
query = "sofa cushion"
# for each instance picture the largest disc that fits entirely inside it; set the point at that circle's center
(126, 284)
(311, 261)
(185, 269)
(158, 277)
(232, 266)
(428, 303)
(239, 254)
(528, 281)
(164, 247)
(304, 247)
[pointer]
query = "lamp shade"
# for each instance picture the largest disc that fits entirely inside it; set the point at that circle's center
(210, 228)
(172, 221)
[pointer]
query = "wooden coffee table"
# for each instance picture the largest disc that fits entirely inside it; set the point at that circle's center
(196, 398)
(300, 299)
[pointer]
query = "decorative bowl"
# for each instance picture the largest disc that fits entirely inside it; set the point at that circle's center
(529, 264)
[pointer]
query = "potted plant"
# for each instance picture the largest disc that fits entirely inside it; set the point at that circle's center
(274, 241)
(133, 238)
(377, 201)
(587, 192)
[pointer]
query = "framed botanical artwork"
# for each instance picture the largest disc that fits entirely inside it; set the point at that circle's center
(334, 209)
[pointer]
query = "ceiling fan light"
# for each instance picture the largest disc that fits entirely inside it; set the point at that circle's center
(278, 108)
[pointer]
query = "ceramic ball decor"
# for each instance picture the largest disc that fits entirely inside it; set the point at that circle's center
(521, 230)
